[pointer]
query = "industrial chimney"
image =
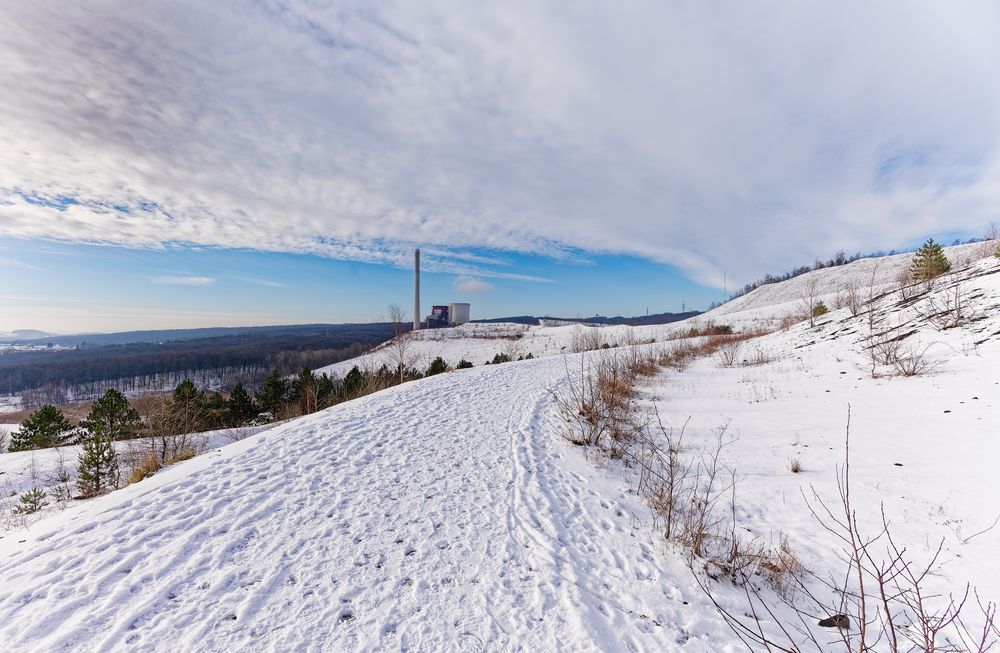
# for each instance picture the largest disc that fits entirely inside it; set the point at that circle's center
(416, 290)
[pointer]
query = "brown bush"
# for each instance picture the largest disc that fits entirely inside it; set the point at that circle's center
(144, 467)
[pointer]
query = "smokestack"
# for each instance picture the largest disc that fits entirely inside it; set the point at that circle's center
(416, 290)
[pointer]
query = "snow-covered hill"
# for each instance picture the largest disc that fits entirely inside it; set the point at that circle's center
(763, 307)
(449, 514)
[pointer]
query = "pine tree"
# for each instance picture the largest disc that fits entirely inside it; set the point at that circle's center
(113, 417)
(819, 309)
(324, 391)
(463, 365)
(272, 395)
(929, 261)
(239, 406)
(46, 427)
(98, 471)
(213, 411)
(437, 366)
(188, 409)
(31, 501)
(353, 381)
(304, 391)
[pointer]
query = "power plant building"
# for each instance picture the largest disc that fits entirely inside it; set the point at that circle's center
(458, 314)
(441, 315)
(447, 315)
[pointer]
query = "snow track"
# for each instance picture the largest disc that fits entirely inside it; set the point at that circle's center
(441, 515)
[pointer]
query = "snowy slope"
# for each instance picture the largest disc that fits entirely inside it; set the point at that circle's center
(441, 515)
(924, 447)
(55, 470)
(765, 306)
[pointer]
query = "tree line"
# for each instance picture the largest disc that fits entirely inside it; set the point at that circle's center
(83, 373)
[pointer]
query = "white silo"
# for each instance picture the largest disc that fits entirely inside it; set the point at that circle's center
(458, 314)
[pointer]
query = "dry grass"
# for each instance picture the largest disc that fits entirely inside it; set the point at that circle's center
(794, 465)
(144, 468)
(186, 454)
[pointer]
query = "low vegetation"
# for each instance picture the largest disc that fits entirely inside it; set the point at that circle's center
(880, 601)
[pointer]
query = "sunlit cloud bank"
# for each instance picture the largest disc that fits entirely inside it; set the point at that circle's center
(724, 141)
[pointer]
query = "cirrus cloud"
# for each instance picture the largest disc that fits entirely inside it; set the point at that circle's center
(184, 280)
(471, 285)
(720, 141)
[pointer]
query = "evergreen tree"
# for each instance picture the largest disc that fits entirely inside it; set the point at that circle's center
(186, 392)
(437, 366)
(239, 407)
(463, 365)
(98, 471)
(324, 391)
(272, 395)
(188, 409)
(113, 417)
(31, 501)
(213, 411)
(353, 382)
(304, 391)
(46, 427)
(929, 261)
(819, 309)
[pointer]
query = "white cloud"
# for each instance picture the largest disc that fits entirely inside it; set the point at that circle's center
(11, 262)
(262, 282)
(185, 280)
(737, 140)
(470, 285)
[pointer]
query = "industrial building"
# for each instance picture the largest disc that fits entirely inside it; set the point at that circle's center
(447, 315)
(441, 315)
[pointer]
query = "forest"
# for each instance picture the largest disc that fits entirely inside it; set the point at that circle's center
(221, 361)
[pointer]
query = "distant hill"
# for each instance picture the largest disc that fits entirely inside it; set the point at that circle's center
(642, 320)
(21, 335)
(174, 335)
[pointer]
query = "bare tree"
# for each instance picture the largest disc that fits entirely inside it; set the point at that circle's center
(990, 244)
(809, 298)
(397, 315)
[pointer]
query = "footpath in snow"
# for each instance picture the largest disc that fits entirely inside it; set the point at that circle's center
(442, 515)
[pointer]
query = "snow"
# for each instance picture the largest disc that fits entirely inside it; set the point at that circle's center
(55, 470)
(439, 515)
(448, 514)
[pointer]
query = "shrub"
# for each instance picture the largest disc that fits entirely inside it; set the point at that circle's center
(186, 454)
(464, 364)
(145, 467)
(819, 309)
(31, 501)
(437, 366)
(729, 352)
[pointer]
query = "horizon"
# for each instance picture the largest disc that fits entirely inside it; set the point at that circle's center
(190, 165)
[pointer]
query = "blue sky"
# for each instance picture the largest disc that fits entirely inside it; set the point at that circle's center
(568, 158)
(62, 287)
